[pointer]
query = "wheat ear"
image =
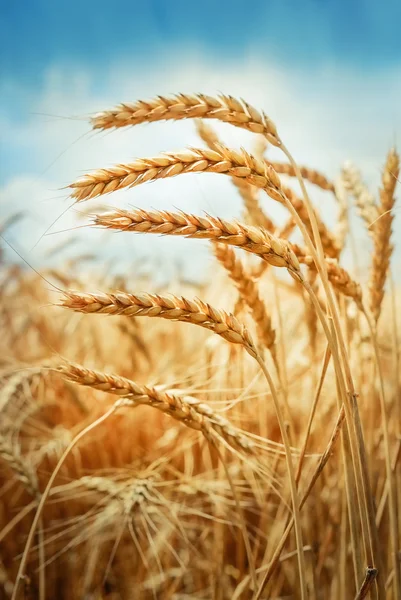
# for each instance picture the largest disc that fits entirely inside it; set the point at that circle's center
(188, 106)
(271, 249)
(249, 292)
(186, 409)
(194, 160)
(340, 279)
(381, 230)
(198, 313)
(249, 194)
(26, 475)
(364, 200)
(170, 307)
(10, 454)
(257, 241)
(311, 175)
(241, 166)
(199, 106)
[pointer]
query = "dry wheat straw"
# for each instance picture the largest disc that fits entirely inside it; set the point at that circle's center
(381, 230)
(186, 409)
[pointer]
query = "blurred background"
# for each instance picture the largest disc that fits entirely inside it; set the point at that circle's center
(328, 72)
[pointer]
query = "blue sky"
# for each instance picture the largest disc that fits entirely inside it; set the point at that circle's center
(327, 71)
(33, 34)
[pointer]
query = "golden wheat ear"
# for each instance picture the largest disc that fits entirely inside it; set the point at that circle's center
(381, 231)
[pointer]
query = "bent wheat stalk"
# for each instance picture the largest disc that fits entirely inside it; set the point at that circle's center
(197, 313)
(156, 222)
(46, 492)
(261, 175)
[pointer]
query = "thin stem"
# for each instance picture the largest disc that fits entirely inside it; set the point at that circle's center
(326, 361)
(356, 442)
(242, 522)
(322, 463)
(392, 498)
(39, 510)
(42, 578)
(293, 486)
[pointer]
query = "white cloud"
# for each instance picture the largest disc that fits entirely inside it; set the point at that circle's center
(325, 117)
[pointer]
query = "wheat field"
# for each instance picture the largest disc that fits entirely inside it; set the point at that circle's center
(248, 448)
